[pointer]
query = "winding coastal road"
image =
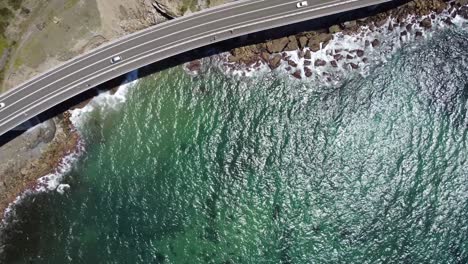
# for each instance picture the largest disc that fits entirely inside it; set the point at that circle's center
(154, 44)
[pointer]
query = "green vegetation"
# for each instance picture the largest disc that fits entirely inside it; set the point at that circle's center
(5, 15)
(3, 44)
(15, 4)
(70, 3)
(188, 5)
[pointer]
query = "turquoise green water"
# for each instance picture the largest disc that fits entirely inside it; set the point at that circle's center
(269, 170)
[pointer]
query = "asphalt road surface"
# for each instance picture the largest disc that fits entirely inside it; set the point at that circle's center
(154, 44)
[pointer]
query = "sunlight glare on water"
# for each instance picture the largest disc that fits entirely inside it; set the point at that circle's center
(271, 170)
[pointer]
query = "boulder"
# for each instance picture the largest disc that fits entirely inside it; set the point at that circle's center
(292, 44)
(316, 40)
(375, 43)
(338, 57)
(277, 45)
(350, 25)
(275, 62)
(320, 62)
(360, 53)
(461, 2)
(419, 34)
(426, 23)
(409, 27)
(194, 66)
(303, 41)
(265, 56)
(297, 74)
(307, 72)
(292, 63)
(308, 55)
(301, 54)
(334, 29)
(463, 12)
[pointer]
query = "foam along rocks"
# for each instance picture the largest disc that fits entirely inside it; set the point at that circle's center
(105, 101)
(53, 181)
(345, 52)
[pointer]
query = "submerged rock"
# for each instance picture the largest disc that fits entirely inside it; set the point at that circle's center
(297, 74)
(319, 63)
(426, 23)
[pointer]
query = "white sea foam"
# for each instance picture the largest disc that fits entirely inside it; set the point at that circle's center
(52, 181)
(105, 101)
(391, 39)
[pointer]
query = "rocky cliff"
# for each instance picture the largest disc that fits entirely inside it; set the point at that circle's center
(175, 8)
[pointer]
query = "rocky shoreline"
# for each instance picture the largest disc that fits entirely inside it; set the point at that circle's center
(318, 53)
(48, 146)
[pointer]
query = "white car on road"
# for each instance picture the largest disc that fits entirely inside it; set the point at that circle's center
(116, 59)
(301, 4)
(2, 105)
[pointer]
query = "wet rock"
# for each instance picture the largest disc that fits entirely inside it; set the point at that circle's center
(349, 57)
(463, 12)
(426, 23)
(409, 27)
(307, 72)
(419, 35)
(448, 21)
(461, 2)
(275, 62)
(403, 33)
(390, 27)
(380, 23)
(308, 55)
(194, 66)
(334, 63)
(288, 68)
(354, 65)
(292, 63)
(375, 43)
(334, 29)
(360, 53)
(301, 54)
(367, 43)
(297, 74)
(338, 57)
(277, 45)
(319, 63)
(365, 60)
(307, 62)
(316, 40)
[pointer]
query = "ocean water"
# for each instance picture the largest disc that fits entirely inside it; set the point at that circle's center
(214, 169)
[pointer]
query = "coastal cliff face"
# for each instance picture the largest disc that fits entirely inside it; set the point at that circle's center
(176, 8)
